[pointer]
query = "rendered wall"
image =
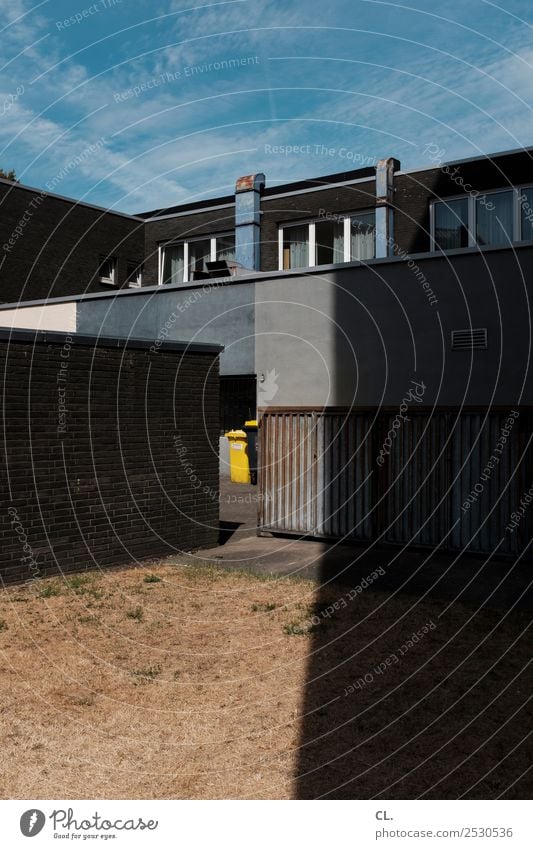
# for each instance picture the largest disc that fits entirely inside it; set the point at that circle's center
(210, 313)
(360, 335)
(60, 317)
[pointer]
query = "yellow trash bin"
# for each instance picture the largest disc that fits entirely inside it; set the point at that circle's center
(238, 456)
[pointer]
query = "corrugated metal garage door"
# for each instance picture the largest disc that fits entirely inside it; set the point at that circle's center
(445, 478)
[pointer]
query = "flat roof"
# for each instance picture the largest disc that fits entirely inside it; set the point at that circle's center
(308, 184)
(54, 337)
(299, 185)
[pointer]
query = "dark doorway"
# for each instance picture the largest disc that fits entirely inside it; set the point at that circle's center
(237, 401)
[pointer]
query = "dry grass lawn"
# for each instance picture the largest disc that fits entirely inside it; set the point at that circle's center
(180, 682)
(116, 685)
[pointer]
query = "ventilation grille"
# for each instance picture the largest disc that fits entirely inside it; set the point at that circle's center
(469, 340)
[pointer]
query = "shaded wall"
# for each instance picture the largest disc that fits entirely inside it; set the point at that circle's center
(53, 246)
(110, 454)
(360, 335)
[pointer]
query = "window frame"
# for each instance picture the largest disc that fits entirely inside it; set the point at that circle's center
(520, 190)
(311, 235)
(472, 216)
(174, 243)
(134, 274)
(108, 281)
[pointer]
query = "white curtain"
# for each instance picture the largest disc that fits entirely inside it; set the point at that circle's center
(173, 264)
(199, 254)
(225, 248)
(495, 219)
(338, 242)
(451, 224)
(296, 247)
(362, 228)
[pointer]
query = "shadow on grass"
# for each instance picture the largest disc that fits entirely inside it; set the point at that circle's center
(408, 697)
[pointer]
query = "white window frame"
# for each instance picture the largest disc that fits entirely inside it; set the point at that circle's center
(108, 281)
(472, 214)
(311, 235)
(186, 242)
(136, 281)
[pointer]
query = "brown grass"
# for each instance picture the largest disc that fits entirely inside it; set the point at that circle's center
(119, 685)
(122, 688)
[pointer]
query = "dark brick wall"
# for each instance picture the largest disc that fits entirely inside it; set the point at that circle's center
(413, 194)
(61, 244)
(415, 191)
(58, 251)
(275, 211)
(181, 228)
(109, 481)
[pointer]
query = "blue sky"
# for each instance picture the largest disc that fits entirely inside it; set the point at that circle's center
(295, 89)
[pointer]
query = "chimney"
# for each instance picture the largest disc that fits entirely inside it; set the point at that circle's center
(248, 220)
(385, 206)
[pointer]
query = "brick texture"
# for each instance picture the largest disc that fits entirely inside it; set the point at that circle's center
(129, 471)
(60, 245)
(413, 194)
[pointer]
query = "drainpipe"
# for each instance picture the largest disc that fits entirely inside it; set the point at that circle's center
(248, 220)
(385, 206)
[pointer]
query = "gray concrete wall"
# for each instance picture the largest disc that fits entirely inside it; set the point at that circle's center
(361, 335)
(223, 314)
(352, 334)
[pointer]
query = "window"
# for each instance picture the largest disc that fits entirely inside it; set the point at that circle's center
(182, 262)
(107, 271)
(526, 213)
(173, 264)
(225, 248)
(296, 246)
(490, 218)
(330, 240)
(363, 236)
(451, 224)
(134, 275)
(199, 254)
(494, 218)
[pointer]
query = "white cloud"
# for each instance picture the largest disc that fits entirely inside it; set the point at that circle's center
(169, 144)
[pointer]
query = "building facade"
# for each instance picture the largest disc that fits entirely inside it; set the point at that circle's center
(377, 321)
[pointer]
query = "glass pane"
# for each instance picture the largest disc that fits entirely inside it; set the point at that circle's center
(134, 273)
(199, 254)
(107, 269)
(494, 216)
(329, 242)
(451, 224)
(173, 264)
(225, 247)
(296, 247)
(526, 212)
(363, 229)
